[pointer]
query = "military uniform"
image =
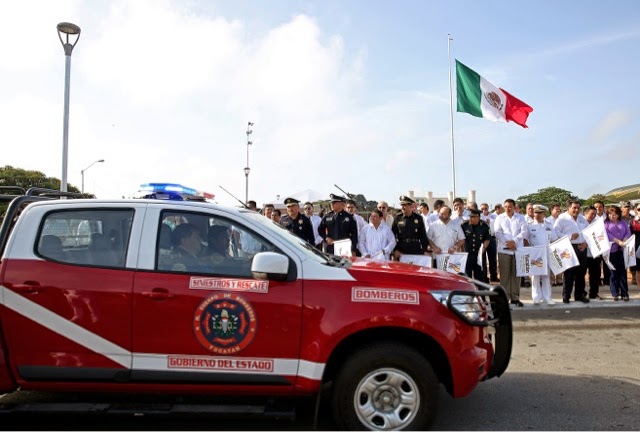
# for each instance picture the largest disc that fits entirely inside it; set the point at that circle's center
(339, 226)
(410, 232)
(475, 236)
(300, 226)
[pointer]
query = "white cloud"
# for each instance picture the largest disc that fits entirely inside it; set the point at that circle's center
(610, 125)
(153, 52)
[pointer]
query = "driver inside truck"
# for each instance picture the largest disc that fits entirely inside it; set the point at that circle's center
(188, 246)
(219, 256)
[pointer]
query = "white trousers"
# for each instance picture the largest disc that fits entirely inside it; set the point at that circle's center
(540, 288)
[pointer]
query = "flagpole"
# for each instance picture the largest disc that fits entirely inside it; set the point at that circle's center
(453, 152)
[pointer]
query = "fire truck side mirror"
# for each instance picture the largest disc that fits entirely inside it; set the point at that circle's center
(269, 265)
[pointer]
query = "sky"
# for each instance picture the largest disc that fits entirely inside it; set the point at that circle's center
(353, 93)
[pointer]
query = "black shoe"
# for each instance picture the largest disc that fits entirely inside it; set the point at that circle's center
(583, 300)
(617, 298)
(517, 303)
(626, 299)
(595, 297)
(565, 300)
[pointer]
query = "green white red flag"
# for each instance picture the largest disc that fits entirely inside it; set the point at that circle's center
(480, 98)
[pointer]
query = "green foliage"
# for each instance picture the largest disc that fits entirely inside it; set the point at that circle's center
(547, 196)
(595, 197)
(10, 176)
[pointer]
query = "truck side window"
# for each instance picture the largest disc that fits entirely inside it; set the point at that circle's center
(93, 237)
(201, 243)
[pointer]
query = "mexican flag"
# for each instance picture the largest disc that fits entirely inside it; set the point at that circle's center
(480, 98)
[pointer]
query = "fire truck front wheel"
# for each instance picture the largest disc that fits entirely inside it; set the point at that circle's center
(386, 386)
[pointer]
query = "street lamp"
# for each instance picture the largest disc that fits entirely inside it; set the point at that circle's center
(82, 172)
(247, 169)
(66, 29)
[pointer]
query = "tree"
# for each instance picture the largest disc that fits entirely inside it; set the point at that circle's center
(547, 196)
(10, 176)
(595, 197)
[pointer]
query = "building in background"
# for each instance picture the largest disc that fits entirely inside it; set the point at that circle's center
(448, 200)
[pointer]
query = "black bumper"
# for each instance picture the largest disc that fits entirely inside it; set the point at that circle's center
(494, 300)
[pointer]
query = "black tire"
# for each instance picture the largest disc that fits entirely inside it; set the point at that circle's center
(386, 386)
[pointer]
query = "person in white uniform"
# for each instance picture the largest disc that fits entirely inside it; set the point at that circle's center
(387, 217)
(541, 233)
(511, 230)
(376, 240)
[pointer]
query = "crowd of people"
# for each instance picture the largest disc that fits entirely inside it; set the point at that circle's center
(490, 237)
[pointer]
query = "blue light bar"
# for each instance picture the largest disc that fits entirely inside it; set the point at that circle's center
(168, 187)
(176, 189)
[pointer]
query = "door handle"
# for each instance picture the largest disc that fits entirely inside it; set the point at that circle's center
(28, 287)
(158, 294)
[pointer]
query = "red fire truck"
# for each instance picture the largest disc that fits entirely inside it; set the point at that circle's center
(153, 297)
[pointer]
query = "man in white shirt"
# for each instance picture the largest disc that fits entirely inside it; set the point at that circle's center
(541, 233)
(387, 218)
(352, 209)
(267, 210)
(529, 217)
(601, 214)
(445, 236)
(424, 212)
(556, 209)
(435, 215)
(570, 224)
(599, 206)
(511, 230)
(376, 240)
(459, 213)
(315, 222)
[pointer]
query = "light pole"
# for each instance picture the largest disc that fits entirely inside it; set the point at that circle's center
(247, 170)
(82, 172)
(67, 29)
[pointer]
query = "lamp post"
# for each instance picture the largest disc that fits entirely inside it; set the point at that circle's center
(68, 30)
(82, 172)
(247, 170)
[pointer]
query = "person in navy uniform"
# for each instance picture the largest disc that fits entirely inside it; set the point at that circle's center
(338, 225)
(296, 222)
(476, 234)
(410, 231)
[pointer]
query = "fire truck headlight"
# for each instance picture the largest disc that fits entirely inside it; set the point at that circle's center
(467, 306)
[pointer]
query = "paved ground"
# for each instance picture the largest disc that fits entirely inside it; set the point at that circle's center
(605, 293)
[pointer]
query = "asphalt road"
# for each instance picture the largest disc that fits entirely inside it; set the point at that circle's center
(574, 367)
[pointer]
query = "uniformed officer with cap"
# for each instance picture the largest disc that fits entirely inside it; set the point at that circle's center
(296, 222)
(338, 225)
(410, 231)
(477, 234)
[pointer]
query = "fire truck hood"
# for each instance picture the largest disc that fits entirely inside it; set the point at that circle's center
(402, 275)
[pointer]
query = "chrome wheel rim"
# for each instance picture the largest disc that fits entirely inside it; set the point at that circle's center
(386, 399)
